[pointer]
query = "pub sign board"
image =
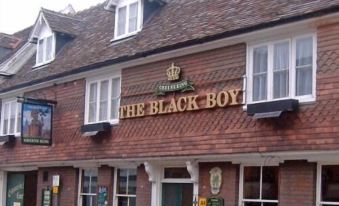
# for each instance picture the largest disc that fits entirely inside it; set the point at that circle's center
(46, 197)
(36, 124)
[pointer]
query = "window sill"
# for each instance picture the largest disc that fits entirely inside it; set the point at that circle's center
(42, 65)
(302, 101)
(124, 37)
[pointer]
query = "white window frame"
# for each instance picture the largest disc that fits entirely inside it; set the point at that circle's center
(319, 185)
(80, 194)
(292, 69)
(127, 3)
(115, 189)
(44, 53)
(18, 108)
(241, 185)
(97, 80)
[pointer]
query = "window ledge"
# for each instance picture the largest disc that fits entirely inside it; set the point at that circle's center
(302, 101)
(42, 65)
(125, 37)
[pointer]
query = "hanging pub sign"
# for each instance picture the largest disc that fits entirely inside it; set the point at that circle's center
(173, 76)
(102, 196)
(36, 123)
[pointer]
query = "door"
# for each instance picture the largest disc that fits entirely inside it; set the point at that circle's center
(15, 189)
(177, 194)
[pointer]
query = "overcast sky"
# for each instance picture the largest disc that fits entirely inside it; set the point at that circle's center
(16, 15)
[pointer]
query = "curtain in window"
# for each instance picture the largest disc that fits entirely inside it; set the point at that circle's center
(5, 123)
(41, 50)
(92, 102)
(133, 17)
(115, 98)
(103, 107)
(260, 73)
(281, 70)
(49, 48)
(122, 13)
(304, 63)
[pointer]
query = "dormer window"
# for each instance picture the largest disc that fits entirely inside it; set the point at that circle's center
(45, 50)
(128, 18)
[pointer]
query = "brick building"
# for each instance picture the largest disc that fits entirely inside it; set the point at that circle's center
(173, 103)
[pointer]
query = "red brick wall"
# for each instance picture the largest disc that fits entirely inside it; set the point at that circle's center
(212, 132)
(69, 184)
(144, 188)
(297, 184)
(230, 182)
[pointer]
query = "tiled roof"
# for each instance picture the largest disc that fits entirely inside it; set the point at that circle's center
(177, 23)
(62, 23)
(21, 37)
(9, 41)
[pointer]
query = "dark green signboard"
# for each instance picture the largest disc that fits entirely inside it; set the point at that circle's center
(46, 197)
(215, 201)
(15, 189)
(102, 196)
(182, 86)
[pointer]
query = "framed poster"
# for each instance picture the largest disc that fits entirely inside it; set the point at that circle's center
(46, 199)
(102, 196)
(36, 124)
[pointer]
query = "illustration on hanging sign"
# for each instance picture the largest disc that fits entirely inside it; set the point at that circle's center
(215, 180)
(173, 76)
(36, 124)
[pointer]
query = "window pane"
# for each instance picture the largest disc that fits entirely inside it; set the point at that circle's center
(132, 182)
(252, 182)
(177, 173)
(304, 66)
(6, 118)
(18, 128)
(304, 81)
(281, 67)
(40, 50)
(252, 204)
(92, 102)
(89, 181)
(122, 181)
(132, 201)
(115, 98)
(103, 100)
(270, 177)
(330, 183)
(133, 17)
(49, 47)
(122, 21)
(88, 200)
(260, 73)
(304, 51)
(12, 117)
(122, 201)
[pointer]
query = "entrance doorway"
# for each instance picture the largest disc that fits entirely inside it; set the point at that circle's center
(177, 194)
(177, 187)
(21, 188)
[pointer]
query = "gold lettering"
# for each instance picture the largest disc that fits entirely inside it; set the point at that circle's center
(210, 100)
(122, 112)
(172, 107)
(234, 96)
(222, 99)
(192, 103)
(130, 111)
(154, 108)
(162, 109)
(140, 110)
(181, 104)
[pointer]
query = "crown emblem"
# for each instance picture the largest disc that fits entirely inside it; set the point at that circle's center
(173, 72)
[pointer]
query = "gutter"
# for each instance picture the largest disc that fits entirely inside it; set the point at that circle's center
(181, 45)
